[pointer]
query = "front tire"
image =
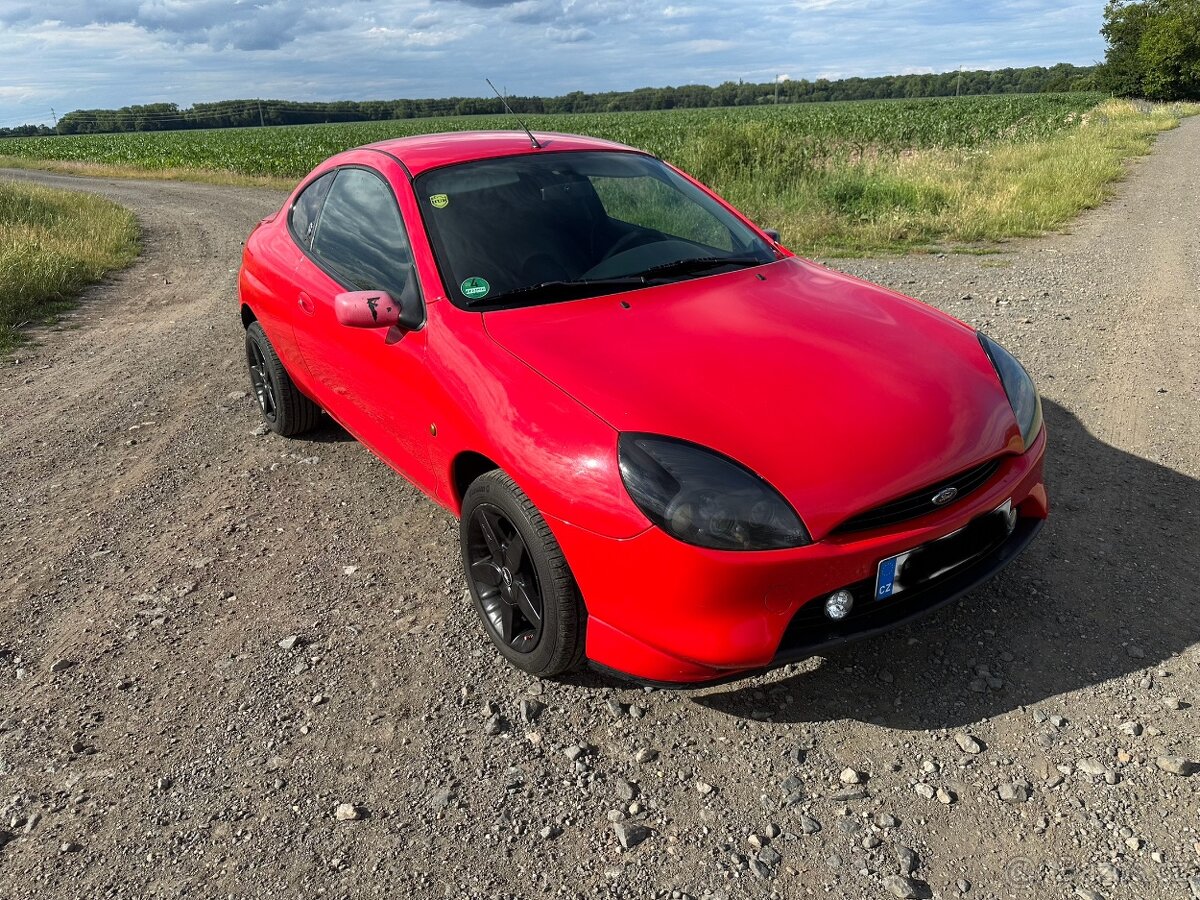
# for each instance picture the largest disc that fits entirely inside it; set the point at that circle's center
(284, 409)
(520, 584)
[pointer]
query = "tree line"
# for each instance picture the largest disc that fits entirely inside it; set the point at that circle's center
(247, 113)
(1153, 49)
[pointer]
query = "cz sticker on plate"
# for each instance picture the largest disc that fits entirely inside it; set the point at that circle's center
(888, 577)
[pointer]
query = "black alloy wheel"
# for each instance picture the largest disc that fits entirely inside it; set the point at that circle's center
(285, 410)
(260, 380)
(519, 581)
(504, 579)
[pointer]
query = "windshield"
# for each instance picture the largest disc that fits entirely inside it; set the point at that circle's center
(545, 227)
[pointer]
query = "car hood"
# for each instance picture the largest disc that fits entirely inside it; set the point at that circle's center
(842, 394)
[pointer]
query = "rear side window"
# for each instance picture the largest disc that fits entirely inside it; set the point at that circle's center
(307, 208)
(360, 235)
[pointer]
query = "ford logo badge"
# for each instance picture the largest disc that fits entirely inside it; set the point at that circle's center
(941, 498)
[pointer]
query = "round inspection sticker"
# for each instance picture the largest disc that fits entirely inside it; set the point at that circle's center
(474, 288)
(439, 201)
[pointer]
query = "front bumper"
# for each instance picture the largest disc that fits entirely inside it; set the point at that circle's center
(663, 611)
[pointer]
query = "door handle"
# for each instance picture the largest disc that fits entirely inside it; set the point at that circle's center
(306, 304)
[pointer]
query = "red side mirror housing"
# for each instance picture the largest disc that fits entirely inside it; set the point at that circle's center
(366, 309)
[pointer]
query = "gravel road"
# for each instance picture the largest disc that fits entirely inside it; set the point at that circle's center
(233, 665)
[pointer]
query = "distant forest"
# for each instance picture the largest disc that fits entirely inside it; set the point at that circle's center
(249, 113)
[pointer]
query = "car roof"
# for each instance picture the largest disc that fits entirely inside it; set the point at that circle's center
(430, 151)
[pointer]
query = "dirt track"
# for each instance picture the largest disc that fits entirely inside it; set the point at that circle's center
(154, 550)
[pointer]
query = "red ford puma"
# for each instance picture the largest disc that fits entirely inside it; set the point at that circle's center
(675, 448)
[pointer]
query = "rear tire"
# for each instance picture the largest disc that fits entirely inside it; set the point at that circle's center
(514, 569)
(284, 409)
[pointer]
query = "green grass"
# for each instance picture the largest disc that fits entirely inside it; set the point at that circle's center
(962, 197)
(52, 244)
(834, 178)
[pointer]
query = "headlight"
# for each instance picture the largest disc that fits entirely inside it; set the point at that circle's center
(1022, 395)
(704, 498)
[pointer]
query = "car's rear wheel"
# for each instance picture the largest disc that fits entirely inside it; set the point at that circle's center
(285, 410)
(519, 580)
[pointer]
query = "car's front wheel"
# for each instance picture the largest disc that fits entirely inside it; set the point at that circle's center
(519, 580)
(285, 410)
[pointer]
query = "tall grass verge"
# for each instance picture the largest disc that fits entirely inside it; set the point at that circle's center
(936, 198)
(52, 244)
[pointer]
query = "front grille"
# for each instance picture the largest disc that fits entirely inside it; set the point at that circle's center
(920, 503)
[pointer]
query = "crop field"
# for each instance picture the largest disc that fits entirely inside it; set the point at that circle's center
(834, 177)
(774, 137)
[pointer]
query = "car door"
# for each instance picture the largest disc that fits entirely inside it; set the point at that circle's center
(373, 380)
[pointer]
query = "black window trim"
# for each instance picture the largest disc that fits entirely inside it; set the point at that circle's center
(316, 260)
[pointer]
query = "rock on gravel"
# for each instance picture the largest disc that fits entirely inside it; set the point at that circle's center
(900, 886)
(907, 860)
(531, 709)
(851, 776)
(348, 812)
(809, 825)
(1013, 793)
(1176, 765)
(967, 743)
(630, 834)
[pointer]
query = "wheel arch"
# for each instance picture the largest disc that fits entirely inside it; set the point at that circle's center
(464, 469)
(248, 315)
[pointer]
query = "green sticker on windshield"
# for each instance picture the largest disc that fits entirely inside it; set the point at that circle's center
(474, 288)
(439, 201)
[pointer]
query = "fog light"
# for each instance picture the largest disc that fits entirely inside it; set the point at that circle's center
(839, 604)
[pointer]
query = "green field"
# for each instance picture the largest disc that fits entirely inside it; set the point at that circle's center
(780, 141)
(834, 178)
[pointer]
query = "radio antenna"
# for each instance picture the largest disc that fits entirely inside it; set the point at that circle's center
(508, 109)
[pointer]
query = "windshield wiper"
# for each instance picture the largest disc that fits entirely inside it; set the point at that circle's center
(700, 264)
(564, 289)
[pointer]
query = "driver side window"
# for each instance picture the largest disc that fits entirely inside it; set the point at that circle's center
(360, 235)
(649, 203)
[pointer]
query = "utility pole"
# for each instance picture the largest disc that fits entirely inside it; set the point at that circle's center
(54, 117)
(260, 117)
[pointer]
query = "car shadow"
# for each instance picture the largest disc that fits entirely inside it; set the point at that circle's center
(1105, 592)
(327, 431)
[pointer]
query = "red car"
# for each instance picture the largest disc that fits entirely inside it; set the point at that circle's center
(675, 448)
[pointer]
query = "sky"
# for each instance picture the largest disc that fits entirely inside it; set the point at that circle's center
(81, 54)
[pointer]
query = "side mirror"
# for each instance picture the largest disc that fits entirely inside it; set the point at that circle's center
(773, 235)
(378, 309)
(366, 309)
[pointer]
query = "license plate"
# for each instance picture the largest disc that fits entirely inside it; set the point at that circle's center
(919, 565)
